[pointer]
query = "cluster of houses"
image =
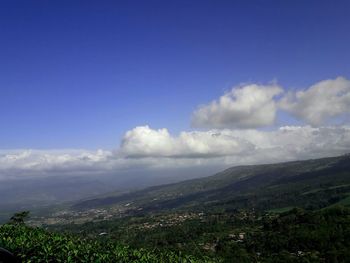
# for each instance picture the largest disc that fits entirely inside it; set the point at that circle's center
(171, 220)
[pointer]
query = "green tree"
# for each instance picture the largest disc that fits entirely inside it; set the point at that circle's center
(18, 218)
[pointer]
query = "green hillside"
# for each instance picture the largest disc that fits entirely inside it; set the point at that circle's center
(287, 212)
(309, 184)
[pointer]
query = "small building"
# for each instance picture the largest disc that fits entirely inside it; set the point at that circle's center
(241, 235)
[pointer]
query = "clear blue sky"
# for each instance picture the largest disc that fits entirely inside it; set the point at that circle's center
(78, 74)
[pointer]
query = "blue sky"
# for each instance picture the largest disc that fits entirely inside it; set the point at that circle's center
(79, 74)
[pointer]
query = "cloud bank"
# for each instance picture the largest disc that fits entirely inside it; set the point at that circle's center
(288, 142)
(215, 147)
(231, 138)
(145, 142)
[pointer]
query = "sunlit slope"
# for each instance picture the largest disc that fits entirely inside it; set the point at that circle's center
(311, 184)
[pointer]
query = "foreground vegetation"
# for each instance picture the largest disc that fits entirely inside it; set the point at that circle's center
(296, 235)
(37, 245)
(293, 236)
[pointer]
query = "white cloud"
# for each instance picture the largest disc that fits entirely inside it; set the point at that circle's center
(249, 106)
(145, 142)
(39, 161)
(245, 107)
(286, 143)
(254, 106)
(145, 149)
(319, 103)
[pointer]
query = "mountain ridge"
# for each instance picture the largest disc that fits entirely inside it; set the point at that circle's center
(231, 183)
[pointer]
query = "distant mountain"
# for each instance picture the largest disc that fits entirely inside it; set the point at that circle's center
(311, 184)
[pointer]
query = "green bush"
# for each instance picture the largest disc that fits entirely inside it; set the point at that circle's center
(37, 245)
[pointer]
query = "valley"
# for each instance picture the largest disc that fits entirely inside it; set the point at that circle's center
(286, 212)
(311, 184)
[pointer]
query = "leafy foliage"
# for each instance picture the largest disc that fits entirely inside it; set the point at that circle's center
(37, 245)
(18, 218)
